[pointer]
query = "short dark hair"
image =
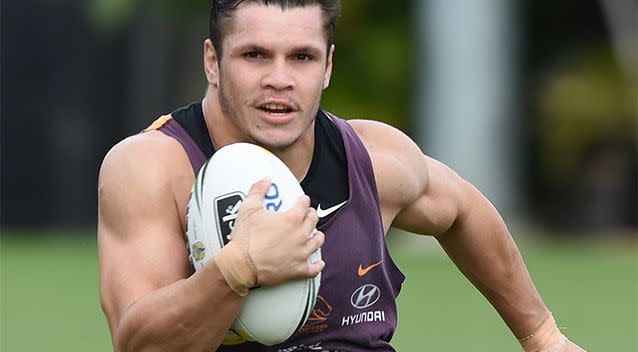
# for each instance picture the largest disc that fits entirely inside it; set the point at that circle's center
(222, 10)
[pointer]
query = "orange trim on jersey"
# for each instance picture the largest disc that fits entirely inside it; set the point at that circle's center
(159, 123)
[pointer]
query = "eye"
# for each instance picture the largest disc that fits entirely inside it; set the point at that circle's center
(255, 55)
(303, 57)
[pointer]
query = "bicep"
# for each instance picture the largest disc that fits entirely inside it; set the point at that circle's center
(439, 204)
(134, 264)
(140, 239)
(417, 193)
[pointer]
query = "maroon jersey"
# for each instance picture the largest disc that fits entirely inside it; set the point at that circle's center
(356, 305)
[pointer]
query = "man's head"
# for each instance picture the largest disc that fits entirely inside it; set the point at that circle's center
(276, 63)
(221, 14)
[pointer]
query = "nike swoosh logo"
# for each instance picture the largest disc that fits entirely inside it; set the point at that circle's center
(362, 271)
(322, 213)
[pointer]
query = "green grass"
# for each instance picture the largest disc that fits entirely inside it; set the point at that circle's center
(592, 289)
(49, 297)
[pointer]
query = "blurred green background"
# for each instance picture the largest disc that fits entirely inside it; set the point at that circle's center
(78, 76)
(49, 296)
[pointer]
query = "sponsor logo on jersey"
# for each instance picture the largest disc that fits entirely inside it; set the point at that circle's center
(318, 320)
(322, 213)
(365, 296)
(365, 317)
(226, 209)
(363, 271)
(362, 298)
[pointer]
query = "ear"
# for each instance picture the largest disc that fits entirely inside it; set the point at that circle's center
(328, 74)
(211, 64)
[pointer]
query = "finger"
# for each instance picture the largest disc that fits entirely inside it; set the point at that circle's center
(310, 221)
(313, 269)
(315, 242)
(301, 205)
(257, 192)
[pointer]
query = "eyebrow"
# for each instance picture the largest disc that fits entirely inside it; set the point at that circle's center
(304, 49)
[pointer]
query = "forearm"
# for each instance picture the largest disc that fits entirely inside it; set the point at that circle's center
(193, 314)
(481, 247)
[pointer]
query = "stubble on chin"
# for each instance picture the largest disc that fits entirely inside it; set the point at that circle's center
(226, 103)
(231, 111)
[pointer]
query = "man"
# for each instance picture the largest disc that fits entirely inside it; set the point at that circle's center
(267, 63)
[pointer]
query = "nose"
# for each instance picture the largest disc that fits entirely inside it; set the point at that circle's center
(279, 76)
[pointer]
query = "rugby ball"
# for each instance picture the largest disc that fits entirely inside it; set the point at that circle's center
(271, 314)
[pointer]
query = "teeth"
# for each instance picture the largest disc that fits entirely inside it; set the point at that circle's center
(275, 107)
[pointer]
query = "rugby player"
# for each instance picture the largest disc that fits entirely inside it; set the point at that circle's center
(267, 63)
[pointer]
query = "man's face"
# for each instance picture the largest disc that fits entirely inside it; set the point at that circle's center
(272, 73)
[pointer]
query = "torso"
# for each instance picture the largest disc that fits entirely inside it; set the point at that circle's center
(356, 309)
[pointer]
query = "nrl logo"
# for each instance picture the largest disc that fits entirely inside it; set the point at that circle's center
(198, 250)
(226, 209)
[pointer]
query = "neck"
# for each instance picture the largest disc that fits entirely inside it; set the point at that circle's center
(224, 133)
(297, 156)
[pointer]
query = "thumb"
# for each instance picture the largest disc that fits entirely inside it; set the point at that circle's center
(257, 192)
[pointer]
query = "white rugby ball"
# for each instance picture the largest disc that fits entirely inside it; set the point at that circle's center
(271, 314)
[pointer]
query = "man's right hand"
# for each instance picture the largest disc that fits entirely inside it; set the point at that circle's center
(278, 244)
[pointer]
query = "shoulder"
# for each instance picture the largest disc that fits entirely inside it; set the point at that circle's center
(380, 137)
(146, 154)
(144, 171)
(399, 165)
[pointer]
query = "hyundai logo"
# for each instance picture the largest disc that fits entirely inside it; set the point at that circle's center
(365, 296)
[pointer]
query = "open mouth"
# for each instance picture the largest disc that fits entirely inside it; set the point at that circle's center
(276, 109)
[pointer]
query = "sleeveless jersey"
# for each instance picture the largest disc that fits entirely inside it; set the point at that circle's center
(355, 309)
